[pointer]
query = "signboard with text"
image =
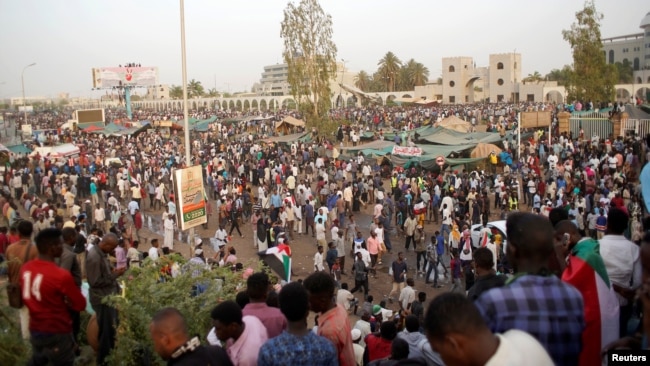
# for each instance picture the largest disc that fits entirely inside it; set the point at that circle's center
(190, 203)
(407, 151)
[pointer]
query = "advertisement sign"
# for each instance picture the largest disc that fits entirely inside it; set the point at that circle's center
(407, 151)
(108, 77)
(190, 205)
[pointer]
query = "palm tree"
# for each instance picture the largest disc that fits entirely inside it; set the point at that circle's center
(194, 89)
(176, 92)
(362, 80)
(389, 66)
(213, 93)
(418, 73)
(534, 77)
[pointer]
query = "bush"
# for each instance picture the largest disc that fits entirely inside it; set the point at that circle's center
(150, 288)
(14, 350)
(145, 291)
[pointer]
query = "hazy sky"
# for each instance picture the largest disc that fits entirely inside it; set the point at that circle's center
(231, 41)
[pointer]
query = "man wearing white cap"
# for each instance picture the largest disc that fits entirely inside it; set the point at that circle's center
(358, 349)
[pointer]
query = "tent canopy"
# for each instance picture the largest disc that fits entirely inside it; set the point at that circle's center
(483, 150)
(455, 123)
(293, 121)
(19, 149)
(286, 138)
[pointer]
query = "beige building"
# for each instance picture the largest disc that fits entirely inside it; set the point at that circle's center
(157, 92)
(500, 81)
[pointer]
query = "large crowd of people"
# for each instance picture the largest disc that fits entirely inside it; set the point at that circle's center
(534, 256)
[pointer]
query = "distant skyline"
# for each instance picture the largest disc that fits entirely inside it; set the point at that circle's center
(229, 43)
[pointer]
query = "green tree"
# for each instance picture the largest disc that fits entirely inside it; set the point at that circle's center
(389, 67)
(212, 93)
(418, 74)
(591, 78)
(534, 77)
(625, 72)
(562, 76)
(310, 54)
(195, 89)
(176, 92)
(362, 80)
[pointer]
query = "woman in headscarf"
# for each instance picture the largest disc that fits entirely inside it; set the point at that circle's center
(454, 237)
(262, 235)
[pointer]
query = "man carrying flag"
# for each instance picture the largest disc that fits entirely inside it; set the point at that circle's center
(585, 270)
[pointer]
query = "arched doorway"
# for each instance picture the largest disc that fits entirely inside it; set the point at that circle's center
(622, 94)
(254, 105)
(263, 105)
(247, 105)
(554, 96)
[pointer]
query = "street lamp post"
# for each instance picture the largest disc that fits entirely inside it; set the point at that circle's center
(190, 236)
(340, 85)
(22, 80)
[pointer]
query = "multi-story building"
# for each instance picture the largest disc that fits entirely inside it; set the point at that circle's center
(632, 48)
(157, 92)
(274, 81)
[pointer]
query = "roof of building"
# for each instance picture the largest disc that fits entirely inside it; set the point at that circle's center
(646, 21)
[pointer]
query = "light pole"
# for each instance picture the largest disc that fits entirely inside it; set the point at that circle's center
(190, 236)
(22, 80)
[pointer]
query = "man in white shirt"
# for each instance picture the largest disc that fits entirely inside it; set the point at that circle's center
(622, 262)
(154, 252)
(99, 215)
(452, 322)
(407, 295)
(552, 161)
(318, 260)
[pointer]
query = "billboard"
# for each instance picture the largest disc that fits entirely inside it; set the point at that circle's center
(190, 203)
(90, 115)
(108, 77)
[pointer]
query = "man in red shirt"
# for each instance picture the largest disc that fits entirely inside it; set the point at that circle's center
(49, 292)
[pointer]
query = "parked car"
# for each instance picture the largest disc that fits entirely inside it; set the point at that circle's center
(496, 227)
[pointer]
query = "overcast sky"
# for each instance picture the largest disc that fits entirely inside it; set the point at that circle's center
(231, 41)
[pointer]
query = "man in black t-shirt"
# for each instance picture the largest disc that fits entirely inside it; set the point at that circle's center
(172, 342)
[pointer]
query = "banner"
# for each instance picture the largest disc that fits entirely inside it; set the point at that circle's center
(407, 151)
(190, 203)
(535, 119)
(108, 77)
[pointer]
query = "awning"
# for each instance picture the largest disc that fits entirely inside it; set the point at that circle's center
(19, 149)
(285, 138)
(292, 121)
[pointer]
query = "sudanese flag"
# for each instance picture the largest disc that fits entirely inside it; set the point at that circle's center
(278, 258)
(586, 271)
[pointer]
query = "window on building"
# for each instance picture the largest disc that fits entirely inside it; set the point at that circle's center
(500, 98)
(500, 66)
(452, 99)
(467, 99)
(636, 64)
(611, 56)
(452, 83)
(639, 80)
(500, 81)
(515, 67)
(648, 80)
(530, 97)
(452, 68)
